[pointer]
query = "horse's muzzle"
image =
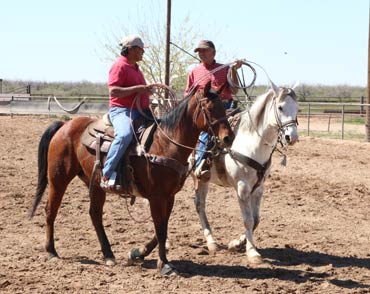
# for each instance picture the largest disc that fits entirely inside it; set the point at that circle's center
(291, 140)
(227, 141)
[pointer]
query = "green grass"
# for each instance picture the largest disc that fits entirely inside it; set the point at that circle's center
(355, 120)
(349, 135)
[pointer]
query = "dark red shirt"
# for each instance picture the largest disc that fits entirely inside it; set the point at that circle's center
(217, 79)
(124, 74)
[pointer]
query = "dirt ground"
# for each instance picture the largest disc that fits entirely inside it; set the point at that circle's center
(314, 233)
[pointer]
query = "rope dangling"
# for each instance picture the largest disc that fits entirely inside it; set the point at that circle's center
(71, 111)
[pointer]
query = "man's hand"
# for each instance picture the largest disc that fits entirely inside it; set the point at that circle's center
(145, 89)
(238, 63)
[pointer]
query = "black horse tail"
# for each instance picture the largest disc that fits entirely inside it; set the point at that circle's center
(42, 158)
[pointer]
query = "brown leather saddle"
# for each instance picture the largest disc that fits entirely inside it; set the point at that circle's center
(101, 133)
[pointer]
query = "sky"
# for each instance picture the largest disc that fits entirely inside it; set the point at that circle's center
(311, 41)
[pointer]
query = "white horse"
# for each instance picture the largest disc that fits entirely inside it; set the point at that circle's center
(271, 119)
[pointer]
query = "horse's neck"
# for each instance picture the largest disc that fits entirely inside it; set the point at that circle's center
(256, 141)
(179, 147)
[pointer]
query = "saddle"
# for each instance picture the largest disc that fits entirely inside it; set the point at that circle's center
(101, 133)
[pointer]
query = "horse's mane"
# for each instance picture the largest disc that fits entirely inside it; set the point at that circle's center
(252, 118)
(173, 118)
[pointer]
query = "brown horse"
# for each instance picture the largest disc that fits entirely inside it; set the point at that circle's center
(62, 156)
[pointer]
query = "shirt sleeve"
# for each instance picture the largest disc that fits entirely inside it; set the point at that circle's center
(189, 83)
(116, 76)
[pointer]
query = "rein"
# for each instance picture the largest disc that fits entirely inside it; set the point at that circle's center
(200, 111)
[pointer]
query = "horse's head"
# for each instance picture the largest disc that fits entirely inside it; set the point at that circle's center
(286, 110)
(210, 116)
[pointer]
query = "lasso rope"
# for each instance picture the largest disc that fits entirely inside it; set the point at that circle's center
(71, 111)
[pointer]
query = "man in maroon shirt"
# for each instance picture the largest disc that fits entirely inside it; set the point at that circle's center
(125, 83)
(199, 77)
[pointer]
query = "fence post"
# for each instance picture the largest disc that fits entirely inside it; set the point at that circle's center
(342, 121)
(308, 119)
(362, 98)
(1, 86)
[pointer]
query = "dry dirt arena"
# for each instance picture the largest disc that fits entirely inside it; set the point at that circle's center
(314, 233)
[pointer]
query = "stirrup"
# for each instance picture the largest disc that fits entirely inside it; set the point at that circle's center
(198, 169)
(117, 189)
(202, 171)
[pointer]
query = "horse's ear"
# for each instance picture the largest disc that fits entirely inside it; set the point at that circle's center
(220, 89)
(296, 85)
(207, 88)
(274, 88)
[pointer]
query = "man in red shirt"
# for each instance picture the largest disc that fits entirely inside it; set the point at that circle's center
(125, 83)
(199, 77)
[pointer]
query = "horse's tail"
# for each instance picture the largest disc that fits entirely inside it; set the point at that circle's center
(43, 163)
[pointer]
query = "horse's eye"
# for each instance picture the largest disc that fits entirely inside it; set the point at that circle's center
(280, 108)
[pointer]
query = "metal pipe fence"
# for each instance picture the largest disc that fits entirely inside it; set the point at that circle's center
(323, 119)
(334, 120)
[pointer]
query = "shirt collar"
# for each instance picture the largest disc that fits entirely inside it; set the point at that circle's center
(125, 61)
(211, 65)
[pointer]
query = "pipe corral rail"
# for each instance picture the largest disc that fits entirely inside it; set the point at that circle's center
(26, 104)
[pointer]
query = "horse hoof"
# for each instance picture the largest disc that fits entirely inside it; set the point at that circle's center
(110, 261)
(257, 259)
(213, 247)
(168, 270)
(234, 246)
(53, 257)
(133, 256)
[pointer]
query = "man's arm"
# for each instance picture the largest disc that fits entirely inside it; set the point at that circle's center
(121, 92)
(234, 77)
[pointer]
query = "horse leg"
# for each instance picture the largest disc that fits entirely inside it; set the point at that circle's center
(200, 206)
(256, 204)
(245, 203)
(55, 197)
(138, 254)
(161, 211)
(96, 214)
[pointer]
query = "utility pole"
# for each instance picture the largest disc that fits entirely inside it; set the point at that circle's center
(368, 86)
(168, 40)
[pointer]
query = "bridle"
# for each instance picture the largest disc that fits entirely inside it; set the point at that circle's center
(282, 126)
(207, 117)
(201, 109)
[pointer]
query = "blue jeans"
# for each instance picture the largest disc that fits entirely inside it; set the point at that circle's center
(123, 134)
(205, 142)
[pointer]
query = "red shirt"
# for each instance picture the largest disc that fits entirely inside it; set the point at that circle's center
(124, 74)
(217, 79)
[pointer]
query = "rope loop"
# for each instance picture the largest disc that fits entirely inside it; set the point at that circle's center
(71, 111)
